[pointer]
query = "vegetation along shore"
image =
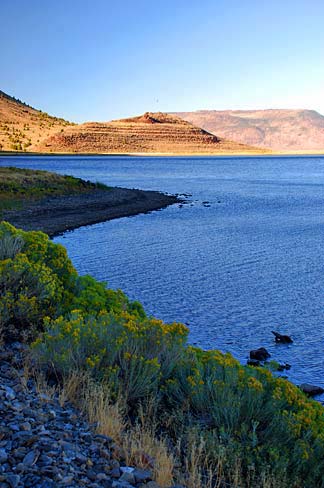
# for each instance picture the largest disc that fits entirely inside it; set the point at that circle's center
(181, 414)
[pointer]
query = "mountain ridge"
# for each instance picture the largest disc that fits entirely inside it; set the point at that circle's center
(276, 129)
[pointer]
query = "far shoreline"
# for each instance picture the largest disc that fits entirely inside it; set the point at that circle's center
(260, 154)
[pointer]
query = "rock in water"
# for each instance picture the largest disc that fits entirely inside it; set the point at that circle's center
(282, 339)
(253, 362)
(260, 354)
(311, 390)
(283, 367)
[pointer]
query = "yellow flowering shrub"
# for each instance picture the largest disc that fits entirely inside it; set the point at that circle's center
(141, 351)
(37, 279)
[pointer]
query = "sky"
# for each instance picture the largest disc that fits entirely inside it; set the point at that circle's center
(106, 59)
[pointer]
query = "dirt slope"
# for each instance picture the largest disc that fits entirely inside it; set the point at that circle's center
(22, 127)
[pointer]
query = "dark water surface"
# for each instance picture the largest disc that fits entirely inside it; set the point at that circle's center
(249, 263)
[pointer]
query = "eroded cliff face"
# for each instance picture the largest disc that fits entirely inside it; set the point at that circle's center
(148, 133)
(280, 130)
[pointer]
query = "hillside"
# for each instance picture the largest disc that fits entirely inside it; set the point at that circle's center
(280, 130)
(22, 127)
(148, 133)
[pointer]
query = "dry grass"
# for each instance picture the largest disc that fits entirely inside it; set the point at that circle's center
(43, 389)
(138, 444)
(109, 416)
(145, 450)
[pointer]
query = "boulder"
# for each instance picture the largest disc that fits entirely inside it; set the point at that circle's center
(283, 367)
(260, 354)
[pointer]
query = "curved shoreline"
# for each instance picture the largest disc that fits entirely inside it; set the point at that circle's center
(55, 215)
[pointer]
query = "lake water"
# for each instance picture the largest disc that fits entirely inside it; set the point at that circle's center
(249, 263)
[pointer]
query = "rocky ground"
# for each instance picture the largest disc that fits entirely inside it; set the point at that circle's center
(55, 215)
(46, 445)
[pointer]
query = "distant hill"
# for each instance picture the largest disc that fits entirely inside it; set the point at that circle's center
(281, 130)
(22, 128)
(148, 133)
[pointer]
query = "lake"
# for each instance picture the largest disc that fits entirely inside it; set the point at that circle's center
(247, 262)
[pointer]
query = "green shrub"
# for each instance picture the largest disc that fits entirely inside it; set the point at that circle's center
(266, 422)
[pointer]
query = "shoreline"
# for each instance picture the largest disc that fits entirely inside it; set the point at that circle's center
(137, 154)
(56, 215)
(156, 154)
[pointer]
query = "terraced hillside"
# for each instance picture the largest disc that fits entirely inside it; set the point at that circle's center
(148, 133)
(22, 128)
(279, 130)
(25, 129)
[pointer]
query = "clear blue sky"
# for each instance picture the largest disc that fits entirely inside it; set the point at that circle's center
(103, 59)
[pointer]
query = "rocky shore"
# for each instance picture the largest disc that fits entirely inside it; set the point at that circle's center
(55, 215)
(44, 444)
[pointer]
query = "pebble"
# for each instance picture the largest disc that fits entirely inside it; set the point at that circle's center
(129, 477)
(3, 456)
(31, 458)
(13, 480)
(9, 393)
(142, 476)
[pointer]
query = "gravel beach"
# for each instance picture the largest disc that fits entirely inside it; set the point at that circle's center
(54, 215)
